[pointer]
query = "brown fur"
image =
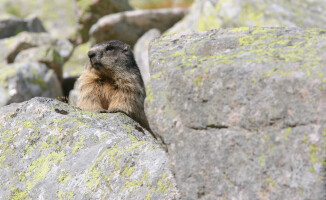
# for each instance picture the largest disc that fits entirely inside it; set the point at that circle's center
(112, 83)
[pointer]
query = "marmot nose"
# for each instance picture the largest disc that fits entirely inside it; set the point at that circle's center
(91, 55)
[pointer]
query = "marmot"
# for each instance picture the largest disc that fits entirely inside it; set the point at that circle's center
(112, 82)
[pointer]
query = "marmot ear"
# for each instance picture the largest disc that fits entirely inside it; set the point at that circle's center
(126, 48)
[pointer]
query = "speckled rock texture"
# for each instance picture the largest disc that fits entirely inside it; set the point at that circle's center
(129, 26)
(23, 81)
(12, 46)
(141, 52)
(90, 11)
(58, 17)
(50, 150)
(242, 111)
(77, 62)
(211, 14)
(53, 55)
(10, 27)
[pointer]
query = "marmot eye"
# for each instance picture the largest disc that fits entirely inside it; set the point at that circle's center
(109, 48)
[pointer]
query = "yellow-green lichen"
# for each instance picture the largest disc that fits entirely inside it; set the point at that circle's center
(64, 178)
(313, 154)
(79, 145)
(28, 149)
(136, 183)
(28, 124)
(44, 145)
(198, 80)
(41, 167)
(262, 160)
(128, 171)
(287, 133)
(270, 181)
(39, 81)
(157, 75)
(210, 19)
(150, 96)
(163, 184)
(135, 145)
(149, 194)
(7, 136)
(22, 177)
(246, 40)
(127, 127)
(17, 194)
(65, 195)
(103, 137)
(240, 29)
(94, 174)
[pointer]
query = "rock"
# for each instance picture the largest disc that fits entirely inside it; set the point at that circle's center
(59, 16)
(23, 81)
(129, 26)
(63, 47)
(210, 14)
(53, 56)
(50, 150)
(35, 25)
(141, 4)
(141, 52)
(14, 45)
(77, 62)
(11, 27)
(91, 11)
(242, 111)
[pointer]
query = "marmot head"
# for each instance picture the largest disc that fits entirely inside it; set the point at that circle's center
(113, 57)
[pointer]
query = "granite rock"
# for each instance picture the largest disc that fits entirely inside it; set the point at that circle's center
(242, 111)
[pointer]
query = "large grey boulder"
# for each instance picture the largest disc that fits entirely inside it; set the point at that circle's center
(37, 47)
(242, 111)
(90, 11)
(12, 46)
(23, 81)
(58, 17)
(13, 26)
(210, 14)
(54, 55)
(129, 26)
(50, 150)
(141, 52)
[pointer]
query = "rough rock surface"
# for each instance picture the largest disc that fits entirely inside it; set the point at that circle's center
(129, 26)
(58, 16)
(13, 26)
(12, 46)
(242, 112)
(77, 62)
(90, 11)
(210, 14)
(50, 150)
(38, 47)
(53, 56)
(23, 81)
(141, 52)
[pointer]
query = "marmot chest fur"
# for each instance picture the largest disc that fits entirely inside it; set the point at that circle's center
(112, 82)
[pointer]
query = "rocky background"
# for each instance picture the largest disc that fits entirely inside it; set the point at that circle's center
(235, 94)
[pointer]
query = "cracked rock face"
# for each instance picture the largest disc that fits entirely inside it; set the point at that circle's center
(242, 111)
(50, 150)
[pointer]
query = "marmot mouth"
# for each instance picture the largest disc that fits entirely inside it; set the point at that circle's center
(96, 65)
